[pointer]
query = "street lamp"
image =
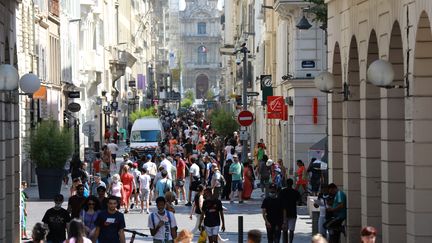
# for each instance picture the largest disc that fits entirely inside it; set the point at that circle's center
(9, 80)
(325, 83)
(303, 24)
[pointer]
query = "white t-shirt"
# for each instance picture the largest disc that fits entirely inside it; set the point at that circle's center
(216, 179)
(170, 222)
(194, 170)
(113, 148)
(151, 168)
(230, 156)
(144, 182)
(166, 164)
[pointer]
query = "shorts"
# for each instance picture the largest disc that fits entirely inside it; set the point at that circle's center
(145, 195)
(212, 231)
(237, 185)
(180, 183)
(151, 183)
(291, 222)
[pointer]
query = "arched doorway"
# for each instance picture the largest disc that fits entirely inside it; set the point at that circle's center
(351, 145)
(370, 143)
(335, 123)
(419, 138)
(202, 85)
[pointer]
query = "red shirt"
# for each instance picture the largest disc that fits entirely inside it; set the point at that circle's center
(181, 169)
(96, 165)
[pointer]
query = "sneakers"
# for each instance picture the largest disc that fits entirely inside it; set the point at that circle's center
(189, 204)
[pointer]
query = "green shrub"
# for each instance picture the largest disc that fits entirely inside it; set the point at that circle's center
(186, 103)
(224, 122)
(189, 94)
(50, 145)
(147, 112)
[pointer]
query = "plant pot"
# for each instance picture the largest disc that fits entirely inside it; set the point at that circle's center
(49, 182)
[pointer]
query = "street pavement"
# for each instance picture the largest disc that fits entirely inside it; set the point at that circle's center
(250, 210)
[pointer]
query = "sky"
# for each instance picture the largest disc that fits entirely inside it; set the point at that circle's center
(182, 4)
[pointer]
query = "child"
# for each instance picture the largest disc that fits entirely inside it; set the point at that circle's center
(23, 206)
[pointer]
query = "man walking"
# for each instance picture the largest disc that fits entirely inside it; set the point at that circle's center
(96, 183)
(339, 211)
(212, 215)
(151, 168)
(163, 185)
(236, 171)
(289, 198)
(110, 224)
(194, 173)
(180, 178)
(56, 218)
(113, 148)
(273, 215)
(162, 223)
(76, 202)
(264, 173)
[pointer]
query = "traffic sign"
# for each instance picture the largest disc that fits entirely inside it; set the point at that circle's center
(89, 128)
(245, 118)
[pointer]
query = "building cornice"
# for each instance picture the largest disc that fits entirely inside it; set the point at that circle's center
(298, 83)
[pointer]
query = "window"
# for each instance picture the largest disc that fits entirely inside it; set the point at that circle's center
(202, 28)
(202, 55)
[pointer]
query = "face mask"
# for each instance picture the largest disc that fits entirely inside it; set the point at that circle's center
(272, 194)
(57, 205)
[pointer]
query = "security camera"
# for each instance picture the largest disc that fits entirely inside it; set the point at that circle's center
(238, 61)
(287, 76)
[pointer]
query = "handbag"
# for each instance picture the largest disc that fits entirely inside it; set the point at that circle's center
(203, 237)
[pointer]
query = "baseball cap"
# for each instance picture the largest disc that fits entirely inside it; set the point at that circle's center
(269, 162)
(149, 156)
(235, 156)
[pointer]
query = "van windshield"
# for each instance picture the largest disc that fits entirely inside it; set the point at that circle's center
(147, 136)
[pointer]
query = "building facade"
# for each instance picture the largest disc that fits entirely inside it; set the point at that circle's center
(200, 34)
(379, 138)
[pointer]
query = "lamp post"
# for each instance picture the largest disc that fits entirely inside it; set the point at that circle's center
(245, 53)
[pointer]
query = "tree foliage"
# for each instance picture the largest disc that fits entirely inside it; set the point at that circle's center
(186, 103)
(146, 112)
(224, 122)
(210, 95)
(50, 145)
(319, 8)
(189, 94)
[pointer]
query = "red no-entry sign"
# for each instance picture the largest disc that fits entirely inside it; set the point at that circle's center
(245, 118)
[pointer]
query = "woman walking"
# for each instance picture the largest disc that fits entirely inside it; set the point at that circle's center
(196, 208)
(89, 215)
(115, 189)
(248, 181)
(128, 182)
(76, 232)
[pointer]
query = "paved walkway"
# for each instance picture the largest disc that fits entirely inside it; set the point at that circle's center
(250, 210)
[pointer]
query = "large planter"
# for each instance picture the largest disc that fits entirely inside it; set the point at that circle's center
(49, 182)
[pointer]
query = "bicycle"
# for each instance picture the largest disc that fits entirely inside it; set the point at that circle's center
(134, 234)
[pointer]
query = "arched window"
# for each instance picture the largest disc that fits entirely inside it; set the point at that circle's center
(202, 28)
(202, 55)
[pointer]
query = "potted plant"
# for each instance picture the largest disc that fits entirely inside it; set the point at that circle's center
(50, 147)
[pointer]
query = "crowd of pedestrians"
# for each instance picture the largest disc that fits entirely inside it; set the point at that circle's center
(191, 167)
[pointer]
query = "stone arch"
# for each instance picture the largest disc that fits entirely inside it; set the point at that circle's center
(419, 138)
(202, 86)
(370, 143)
(335, 123)
(393, 146)
(351, 143)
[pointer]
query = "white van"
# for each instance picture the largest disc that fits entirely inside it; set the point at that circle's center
(145, 135)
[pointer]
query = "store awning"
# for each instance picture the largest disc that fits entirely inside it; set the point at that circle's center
(41, 93)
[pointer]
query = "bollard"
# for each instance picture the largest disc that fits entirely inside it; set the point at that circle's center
(240, 229)
(315, 218)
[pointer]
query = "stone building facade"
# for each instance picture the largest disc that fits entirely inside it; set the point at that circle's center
(379, 139)
(200, 35)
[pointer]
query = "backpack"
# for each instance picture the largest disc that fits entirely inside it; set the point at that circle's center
(152, 218)
(166, 189)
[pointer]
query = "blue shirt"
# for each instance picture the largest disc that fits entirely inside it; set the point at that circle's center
(163, 184)
(340, 198)
(109, 225)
